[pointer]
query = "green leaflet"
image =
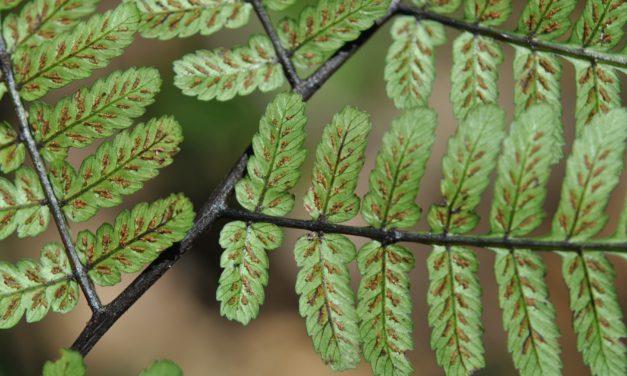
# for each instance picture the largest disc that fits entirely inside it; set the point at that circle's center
(36, 287)
(8, 4)
(92, 113)
(3, 88)
(592, 171)
(487, 12)
(537, 79)
(183, 18)
(528, 315)
(71, 363)
(454, 299)
(12, 151)
(245, 262)
(136, 239)
(546, 20)
(400, 165)
(475, 72)
(118, 168)
(322, 29)
(597, 315)
(598, 91)
(42, 20)
(385, 307)
(468, 163)
(162, 368)
(410, 61)
(22, 205)
(535, 144)
(278, 154)
(278, 4)
(439, 6)
(74, 54)
(327, 301)
(223, 74)
(339, 159)
(601, 25)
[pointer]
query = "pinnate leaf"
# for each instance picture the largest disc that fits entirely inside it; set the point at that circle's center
(245, 262)
(136, 239)
(71, 363)
(36, 287)
(327, 301)
(183, 18)
(339, 159)
(410, 61)
(601, 25)
(22, 205)
(92, 113)
(118, 168)
(74, 54)
(546, 20)
(487, 12)
(537, 79)
(223, 74)
(12, 151)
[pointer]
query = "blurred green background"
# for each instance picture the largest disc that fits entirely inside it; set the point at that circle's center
(179, 318)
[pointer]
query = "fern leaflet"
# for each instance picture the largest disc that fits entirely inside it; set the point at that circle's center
(21, 205)
(12, 152)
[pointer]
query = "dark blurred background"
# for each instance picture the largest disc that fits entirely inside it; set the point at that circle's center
(179, 318)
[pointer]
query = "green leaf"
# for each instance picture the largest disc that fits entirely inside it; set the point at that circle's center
(487, 12)
(8, 4)
(22, 206)
(327, 301)
(400, 165)
(324, 28)
(245, 262)
(36, 287)
(537, 79)
(528, 315)
(74, 54)
(71, 363)
(42, 20)
(469, 161)
(278, 4)
(223, 74)
(598, 91)
(163, 368)
(274, 168)
(136, 239)
(183, 18)
(534, 145)
(439, 6)
(546, 20)
(93, 113)
(385, 307)
(339, 159)
(410, 61)
(12, 151)
(454, 299)
(596, 312)
(3, 88)
(118, 168)
(601, 25)
(592, 171)
(475, 72)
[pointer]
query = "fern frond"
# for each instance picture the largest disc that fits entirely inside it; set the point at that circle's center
(70, 363)
(546, 20)
(223, 74)
(74, 54)
(322, 29)
(439, 6)
(273, 171)
(533, 146)
(8, 4)
(12, 151)
(327, 301)
(36, 287)
(22, 205)
(118, 168)
(136, 238)
(487, 12)
(92, 113)
(537, 79)
(245, 262)
(592, 172)
(42, 20)
(278, 4)
(339, 159)
(410, 61)
(183, 18)
(601, 25)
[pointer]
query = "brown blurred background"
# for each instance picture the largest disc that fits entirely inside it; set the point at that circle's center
(179, 318)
